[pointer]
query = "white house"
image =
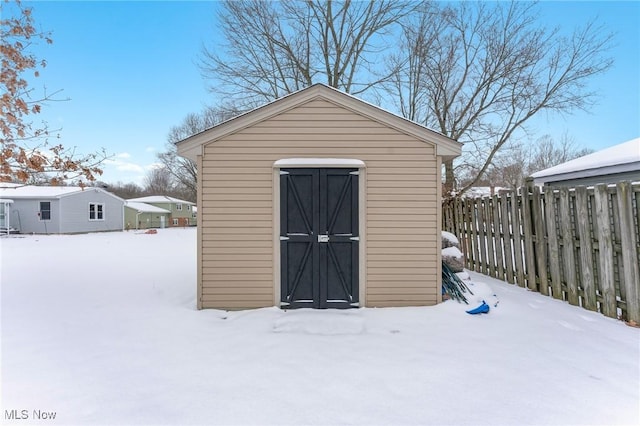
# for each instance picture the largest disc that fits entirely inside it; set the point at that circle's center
(61, 209)
(611, 165)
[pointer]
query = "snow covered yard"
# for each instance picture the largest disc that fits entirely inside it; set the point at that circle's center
(102, 329)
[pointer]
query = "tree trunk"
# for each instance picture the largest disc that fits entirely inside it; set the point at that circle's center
(449, 179)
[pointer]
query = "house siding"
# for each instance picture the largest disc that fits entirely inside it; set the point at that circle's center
(24, 216)
(237, 211)
(75, 212)
(184, 216)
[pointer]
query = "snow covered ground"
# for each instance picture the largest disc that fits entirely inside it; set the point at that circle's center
(102, 329)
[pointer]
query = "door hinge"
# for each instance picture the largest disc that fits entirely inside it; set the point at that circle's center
(323, 238)
(355, 238)
(356, 173)
(282, 172)
(283, 238)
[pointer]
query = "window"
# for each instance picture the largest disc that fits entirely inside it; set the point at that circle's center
(188, 207)
(195, 215)
(175, 222)
(45, 210)
(179, 207)
(96, 211)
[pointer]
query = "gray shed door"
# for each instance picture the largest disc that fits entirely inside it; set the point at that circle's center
(319, 238)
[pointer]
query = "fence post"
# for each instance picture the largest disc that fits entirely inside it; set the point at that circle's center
(586, 261)
(605, 251)
(629, 251)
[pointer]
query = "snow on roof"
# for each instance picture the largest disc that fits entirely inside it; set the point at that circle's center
(160, 199)
(33, 191)
(482, 191)
(293, 162)
(144, 208)
(618, 158)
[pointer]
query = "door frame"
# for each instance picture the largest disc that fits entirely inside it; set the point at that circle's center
(320, 163)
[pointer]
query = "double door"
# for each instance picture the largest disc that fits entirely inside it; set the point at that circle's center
(319, 238)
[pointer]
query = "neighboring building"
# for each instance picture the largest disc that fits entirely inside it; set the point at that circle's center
(143, 216)
(61, 209)
(319, 199)
(180, 210)
(611, 165)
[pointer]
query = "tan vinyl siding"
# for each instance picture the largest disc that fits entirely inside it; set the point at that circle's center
(236, 205)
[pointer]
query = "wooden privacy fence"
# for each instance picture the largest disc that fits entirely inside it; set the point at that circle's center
(580, 245)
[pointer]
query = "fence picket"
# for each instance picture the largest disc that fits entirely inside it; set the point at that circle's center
(517, 239)
(527, 227)
(498, 238)
(490, 234)
(506, 235)
(474, 235)
(568, 251)
(606, 276)
(540, 242)
(586, 262)
(550, 208)
(629, 251)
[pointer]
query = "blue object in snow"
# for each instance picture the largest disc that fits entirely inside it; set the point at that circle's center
(482, 309)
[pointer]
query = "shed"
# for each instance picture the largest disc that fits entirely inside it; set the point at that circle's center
(320, 200)
(62, 209)
(611, 165)
(139, 215)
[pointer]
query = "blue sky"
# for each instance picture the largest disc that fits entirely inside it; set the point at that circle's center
(129, 69)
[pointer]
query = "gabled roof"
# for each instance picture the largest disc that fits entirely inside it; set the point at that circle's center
(144, 208)
(191, 147)
(45, 192)
(160, 199)
(624, 157)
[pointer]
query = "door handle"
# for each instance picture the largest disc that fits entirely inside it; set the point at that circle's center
(323, 238)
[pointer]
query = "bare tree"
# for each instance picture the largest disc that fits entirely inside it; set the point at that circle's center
(158, 181)
(548, 153)
(517, 161)
(275, 48)
(184, 172)
(25, 152)
(126, 190)
(479, 72)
